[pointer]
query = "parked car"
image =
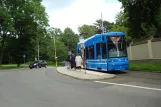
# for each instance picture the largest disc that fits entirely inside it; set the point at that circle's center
(38, 64)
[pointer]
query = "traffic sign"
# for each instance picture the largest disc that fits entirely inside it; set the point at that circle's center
(69, 52)
(24, 56)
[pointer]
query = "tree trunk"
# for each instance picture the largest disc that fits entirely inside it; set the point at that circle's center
(1, 51)
(159, 32)
(18, 65)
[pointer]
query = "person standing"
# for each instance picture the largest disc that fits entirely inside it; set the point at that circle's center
(69, 61)
(73, 64)
(78, 60)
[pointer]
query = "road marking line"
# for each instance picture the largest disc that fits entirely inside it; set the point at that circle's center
(126, 85)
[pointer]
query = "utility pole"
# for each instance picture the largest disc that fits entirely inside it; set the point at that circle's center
(55, 50)
(101, 35)
(102, 24)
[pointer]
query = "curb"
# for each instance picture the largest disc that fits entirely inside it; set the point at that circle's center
(85, 79)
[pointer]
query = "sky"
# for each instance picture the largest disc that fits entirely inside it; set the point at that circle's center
(75, 13)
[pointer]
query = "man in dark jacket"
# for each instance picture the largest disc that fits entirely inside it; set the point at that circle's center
(69, 58)
(73, 64)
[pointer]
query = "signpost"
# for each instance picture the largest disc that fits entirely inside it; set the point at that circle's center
(24, 56)
(69, 52)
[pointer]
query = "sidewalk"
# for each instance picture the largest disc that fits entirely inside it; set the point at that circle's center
(89, 75)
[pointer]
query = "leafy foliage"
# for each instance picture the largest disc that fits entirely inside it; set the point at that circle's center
(70, 39)
(107, 25)
(87, 30)
(22, 21)
(24, 27)
(143, 17)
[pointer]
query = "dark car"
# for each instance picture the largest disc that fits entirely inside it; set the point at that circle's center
(38, 64)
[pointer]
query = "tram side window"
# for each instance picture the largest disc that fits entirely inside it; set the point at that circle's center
(98, 51)
(104, 55)
(84, 54)
(87, 53)
(91, 52)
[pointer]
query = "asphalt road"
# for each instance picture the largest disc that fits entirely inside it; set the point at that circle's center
(46, 88)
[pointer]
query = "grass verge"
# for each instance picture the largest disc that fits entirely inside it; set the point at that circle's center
(14, 66)
(52, 64)
(145, 66)
(11, 66)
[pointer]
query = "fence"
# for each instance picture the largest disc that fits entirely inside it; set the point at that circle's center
(147, 49)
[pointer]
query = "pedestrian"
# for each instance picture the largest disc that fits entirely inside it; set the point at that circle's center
(78, 60)
(69, 62)
(73, 64)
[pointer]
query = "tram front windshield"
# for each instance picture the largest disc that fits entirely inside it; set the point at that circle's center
(116, 47)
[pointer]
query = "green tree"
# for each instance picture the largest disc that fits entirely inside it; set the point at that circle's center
(6, 26)
(87, 30)
(121, 24)
(107, 25)
(143, 16)
(70, 39)
(55, 32)
(121, 18)
(29, 21)
(61, 50)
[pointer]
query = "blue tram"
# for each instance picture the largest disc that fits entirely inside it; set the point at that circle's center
(105, 52)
